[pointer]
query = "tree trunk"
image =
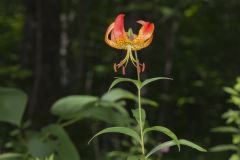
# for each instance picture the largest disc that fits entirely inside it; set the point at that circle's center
(41, 56)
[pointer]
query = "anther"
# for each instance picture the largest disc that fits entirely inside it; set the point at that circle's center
(123, 70)
(143, 67)
(138, 68)
(115, 67)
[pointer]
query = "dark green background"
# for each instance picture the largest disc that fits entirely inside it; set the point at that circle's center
(54, 48)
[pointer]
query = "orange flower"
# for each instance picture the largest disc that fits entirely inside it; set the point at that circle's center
(116, 37)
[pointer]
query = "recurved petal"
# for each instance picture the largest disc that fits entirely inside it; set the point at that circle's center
(109, 30)
(118, 29)
(110, 42)
(146, 30)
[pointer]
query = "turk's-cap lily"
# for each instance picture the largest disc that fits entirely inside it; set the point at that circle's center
(118, 38)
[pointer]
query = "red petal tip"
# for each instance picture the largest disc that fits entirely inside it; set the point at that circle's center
(142, 22)
(146, 30)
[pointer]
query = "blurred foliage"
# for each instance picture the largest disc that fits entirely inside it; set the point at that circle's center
(26, 143)
(48, 158)
(12, 97)
(11, 30)
(232, 117)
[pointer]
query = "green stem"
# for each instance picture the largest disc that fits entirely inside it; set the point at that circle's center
(140, 111)
(67, 123)
(140, 121)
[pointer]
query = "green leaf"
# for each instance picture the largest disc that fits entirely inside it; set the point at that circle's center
(164, 130)
(116, 155)
(224, 147)
(192, 145)
(230, 91)
(173, 143)
(147, 81)
(51, 157)
(117, 94)
(132, 158)
(136, 116)
(225, 129)
(38, 148)
(119, 80)
(123, 130)
(231, 115)
(12, 105)
(108, 112)
(236, 139)
(235, 100)
(8, 156)
(119, 106)
(108, 115)
(161, 146)
(145, 101)
(69, 106)
(234, 157)
(61, 143)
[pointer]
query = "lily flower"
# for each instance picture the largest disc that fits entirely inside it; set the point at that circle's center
(118, 38)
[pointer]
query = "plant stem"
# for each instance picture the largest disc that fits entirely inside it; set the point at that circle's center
(71, 121)
(140, 110)
(140, 121)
